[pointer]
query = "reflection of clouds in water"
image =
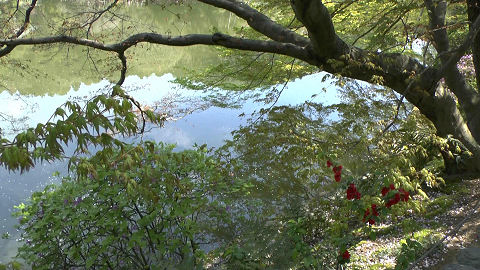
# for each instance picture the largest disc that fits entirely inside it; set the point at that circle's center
(27, 111)
(172, 134)
(206, 125)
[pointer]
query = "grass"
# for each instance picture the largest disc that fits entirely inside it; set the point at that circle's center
(439, 206)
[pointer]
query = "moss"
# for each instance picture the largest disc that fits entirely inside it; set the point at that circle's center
(427, 237)
(439, 206)
(456, 187)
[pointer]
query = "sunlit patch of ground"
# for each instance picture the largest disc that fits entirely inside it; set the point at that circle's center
(449, 223)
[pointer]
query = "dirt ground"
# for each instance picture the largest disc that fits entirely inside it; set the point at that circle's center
(463, 220)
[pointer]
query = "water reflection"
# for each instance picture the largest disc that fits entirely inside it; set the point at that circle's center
(209, 126)
(47, 76)
(53, 69)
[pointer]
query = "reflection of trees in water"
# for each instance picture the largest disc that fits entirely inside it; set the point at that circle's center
(54, 69)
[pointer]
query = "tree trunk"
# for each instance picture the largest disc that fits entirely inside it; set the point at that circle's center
(473, 7)
(450, 122)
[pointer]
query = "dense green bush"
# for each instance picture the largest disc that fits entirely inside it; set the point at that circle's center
(146, 207)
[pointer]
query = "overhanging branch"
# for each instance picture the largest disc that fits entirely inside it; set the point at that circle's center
(260, 22)
(216, 39)
(316, 18)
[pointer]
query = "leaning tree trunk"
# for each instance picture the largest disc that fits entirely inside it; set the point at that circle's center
(452, 105)
(449, 121)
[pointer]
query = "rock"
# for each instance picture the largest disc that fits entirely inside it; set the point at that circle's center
(454, 266)
(469, 256)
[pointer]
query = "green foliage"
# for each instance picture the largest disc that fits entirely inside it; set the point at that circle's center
(268, 201)
(410, 249)
(301, 253)
(284, 152)
(146, 207)
(13, 265)
(93, 125)
(438, 206)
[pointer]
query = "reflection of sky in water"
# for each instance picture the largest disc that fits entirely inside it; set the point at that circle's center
(210, 126)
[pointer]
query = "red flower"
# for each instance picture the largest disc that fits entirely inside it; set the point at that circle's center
(388, 204)
(367, 213)
(385, 190)
(337, 169)
(346, 255)
(374, 210)
(352, 192)
(392, 187)
(329, 163)
(338, 176)
(394, 200)
(371, 221)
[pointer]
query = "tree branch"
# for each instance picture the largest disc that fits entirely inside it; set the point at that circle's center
(97, 16)
(21, 30)
(123, 72)
(469, 98)
(216, 39)
(316, 18)
(436, 15)
(260, 22)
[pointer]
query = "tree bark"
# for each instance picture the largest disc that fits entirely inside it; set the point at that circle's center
(473, 8)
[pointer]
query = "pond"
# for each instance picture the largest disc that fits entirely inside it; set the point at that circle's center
(53, 75)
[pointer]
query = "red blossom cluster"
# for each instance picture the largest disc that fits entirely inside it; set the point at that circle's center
(372, 211)
(352, 192)
(400, 195)
(329, 164)
(385, 190)
(346, 255)
(369, 215)
(337, 170)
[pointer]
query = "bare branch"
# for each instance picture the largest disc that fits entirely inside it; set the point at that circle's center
(98, 15)
(217, 39)
(21, 30)
(260, 22)
(123, 71)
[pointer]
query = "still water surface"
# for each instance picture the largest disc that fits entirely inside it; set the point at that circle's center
(36, 80)
(209, 126)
